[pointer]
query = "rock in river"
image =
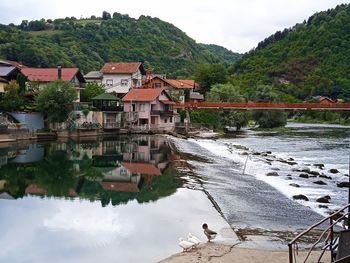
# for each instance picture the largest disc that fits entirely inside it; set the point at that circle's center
(304, 175)
(314, 173)
(333, 171)
(272, 174)
(323, 206)
(305, 169)
(300, 197)
(343, 184)
(319, 165)
(320, 182)
(325, 176)
(324, 199)
(294, 185)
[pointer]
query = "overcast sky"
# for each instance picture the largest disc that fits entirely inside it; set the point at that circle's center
(235, 24)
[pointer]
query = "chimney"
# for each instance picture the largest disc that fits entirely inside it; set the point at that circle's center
(149, 75)
(59, 72)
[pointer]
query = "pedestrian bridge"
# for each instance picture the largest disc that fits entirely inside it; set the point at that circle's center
(263, 106)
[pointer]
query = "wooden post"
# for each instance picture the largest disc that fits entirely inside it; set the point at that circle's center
(331, 239)
(290, 246)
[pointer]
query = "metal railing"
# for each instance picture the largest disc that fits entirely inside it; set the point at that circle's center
(264, 106)
(328, 235)
(112, 125)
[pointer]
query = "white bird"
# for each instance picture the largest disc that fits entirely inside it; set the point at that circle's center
(195, 240)
(186, 245)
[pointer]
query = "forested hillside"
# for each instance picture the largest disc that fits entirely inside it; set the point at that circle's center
(88, 43)
(312, 58)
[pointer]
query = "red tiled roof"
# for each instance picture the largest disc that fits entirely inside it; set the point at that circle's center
(37, 190)
(120, 187)
(142, 168)
(181, 83)
(120, 67)
(142, 94)
(49, 74)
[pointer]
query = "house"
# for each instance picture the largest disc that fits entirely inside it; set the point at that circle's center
(111, 109)
(9, 63)
(120, 77)
(182, 90)
(149, 109)
(325, 100)
(40, 77)
(7, 73)
(3, 83)
(322, 100)
(94, 77)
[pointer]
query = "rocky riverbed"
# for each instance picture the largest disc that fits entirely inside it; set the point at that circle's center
(274, 180)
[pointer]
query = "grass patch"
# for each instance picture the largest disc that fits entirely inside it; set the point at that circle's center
(45, 32)
(88, 21)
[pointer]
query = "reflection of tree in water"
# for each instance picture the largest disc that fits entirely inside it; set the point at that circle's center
(15, 179)
(55, 174)
(61, 174)
(162, 186)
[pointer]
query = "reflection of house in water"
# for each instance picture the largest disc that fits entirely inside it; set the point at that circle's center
(4, 195)
(32, 153)
(34, 189)
(147, 149)
(21, 154)
(129, 177)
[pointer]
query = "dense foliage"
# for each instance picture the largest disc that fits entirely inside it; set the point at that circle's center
(312, 58)
(55, 101)
(229, 93)
(13, 99)
(88, 43)
(91, 90)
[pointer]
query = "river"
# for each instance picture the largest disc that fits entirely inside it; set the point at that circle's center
(254, 200)
(129, 199)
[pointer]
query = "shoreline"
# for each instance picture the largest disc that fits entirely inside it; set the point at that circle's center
(221, 253)
(255, 244)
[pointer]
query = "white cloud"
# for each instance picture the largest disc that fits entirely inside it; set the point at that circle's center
(235, 24)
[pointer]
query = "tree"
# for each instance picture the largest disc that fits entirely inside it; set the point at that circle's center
(55, 101)
(106, 15)
(229, 93)
(13, 100)
(207, 75)
(91, 90)
(265, 93)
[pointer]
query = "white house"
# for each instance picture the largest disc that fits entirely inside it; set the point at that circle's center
(120, 77)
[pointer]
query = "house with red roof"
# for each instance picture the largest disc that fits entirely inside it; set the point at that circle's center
(120, 77)
(149, 109)
(181, 89)
(39, 77)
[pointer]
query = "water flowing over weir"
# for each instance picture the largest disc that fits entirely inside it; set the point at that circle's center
(254, 200)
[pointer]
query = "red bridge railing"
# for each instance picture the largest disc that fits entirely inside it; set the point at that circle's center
(264, 106)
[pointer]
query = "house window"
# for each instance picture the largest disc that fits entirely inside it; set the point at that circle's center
(171, 119)
(142, 107)
(157, 85)
(124, 82)
(109, 82)
(165, 120)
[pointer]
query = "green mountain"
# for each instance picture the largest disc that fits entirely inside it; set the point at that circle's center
(89, 43)
(312, 58)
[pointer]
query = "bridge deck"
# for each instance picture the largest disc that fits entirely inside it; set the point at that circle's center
(246, 106)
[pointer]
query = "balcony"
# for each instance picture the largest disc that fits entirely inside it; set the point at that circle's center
(111, 125)
(162, 112)
(110, 108)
